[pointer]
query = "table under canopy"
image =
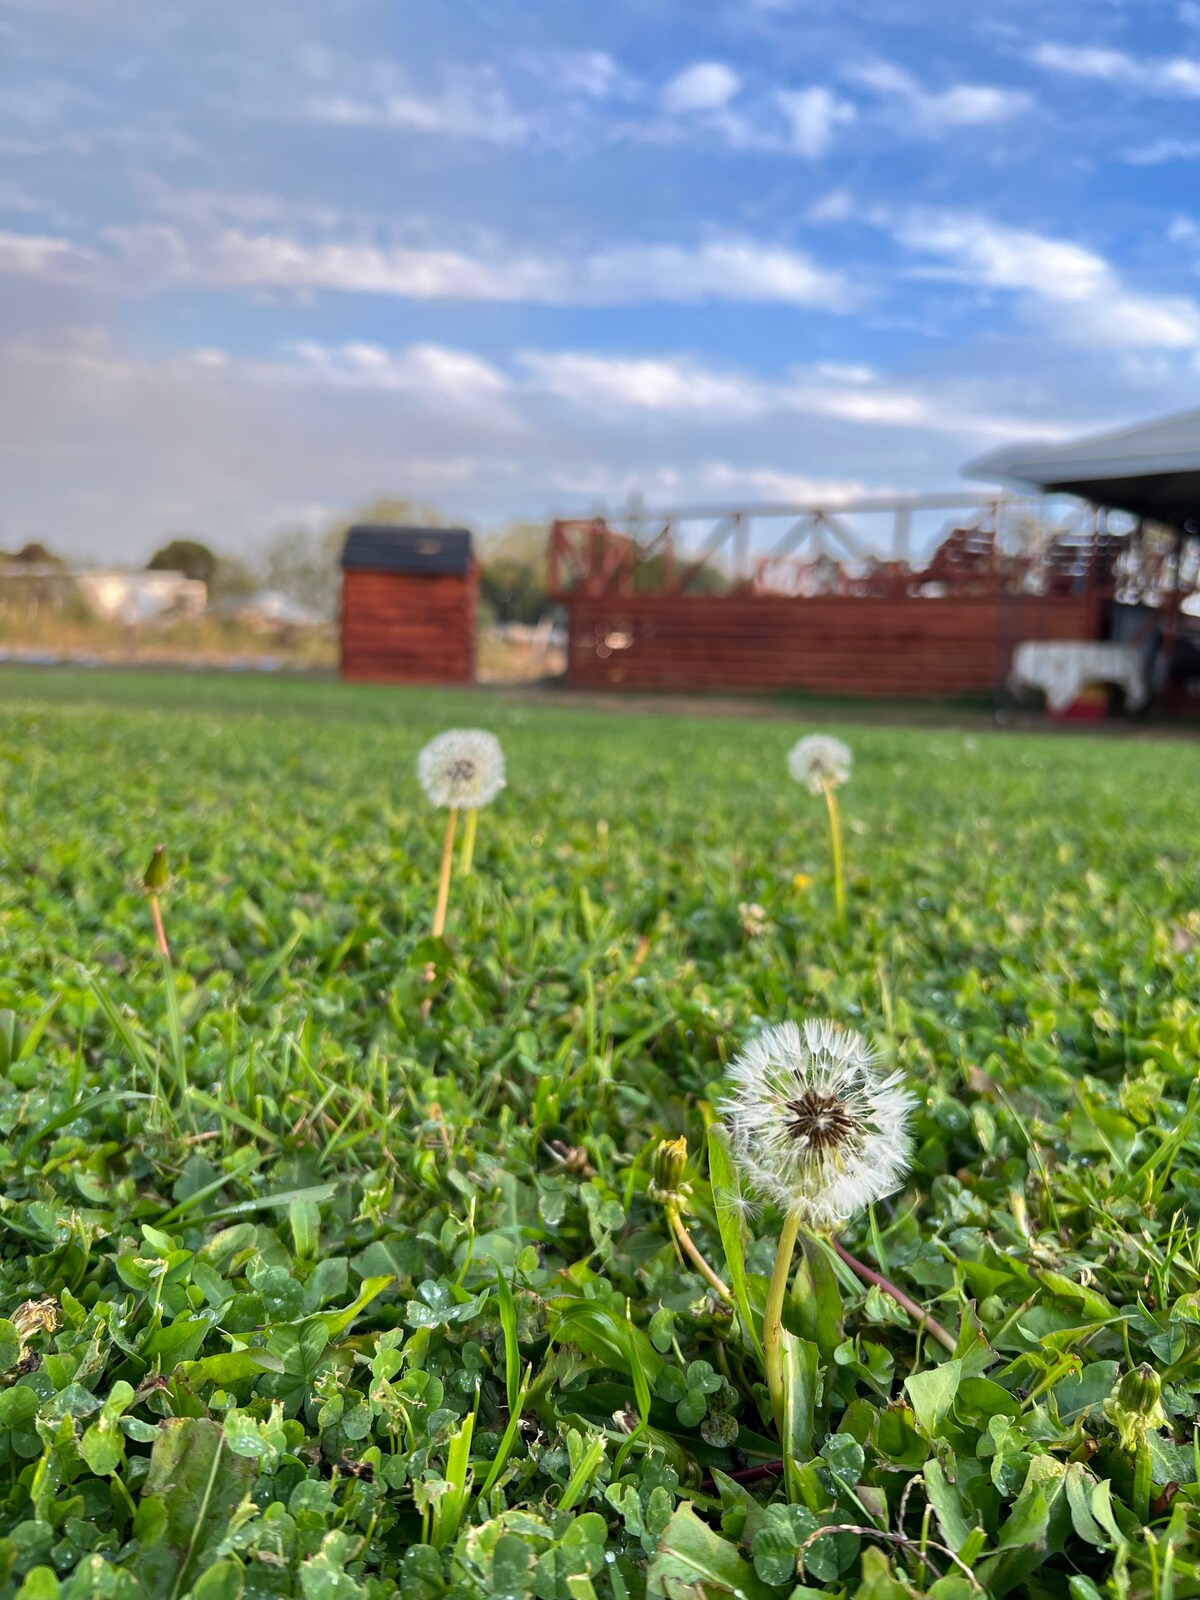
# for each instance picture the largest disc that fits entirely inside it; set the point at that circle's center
(1063, 669)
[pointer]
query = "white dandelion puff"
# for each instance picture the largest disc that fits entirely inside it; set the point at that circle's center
(820, 762)
(815, 1125)
(462, 769)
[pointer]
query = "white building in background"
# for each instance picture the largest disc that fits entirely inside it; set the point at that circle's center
(271, 611)
(134, 597)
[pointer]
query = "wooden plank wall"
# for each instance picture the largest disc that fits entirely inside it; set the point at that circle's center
(830, 643)
(408, 628)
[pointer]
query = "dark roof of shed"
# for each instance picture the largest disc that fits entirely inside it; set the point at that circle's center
(1151, 470)
(372, 547)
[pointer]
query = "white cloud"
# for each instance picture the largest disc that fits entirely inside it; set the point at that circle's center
(836, 206)
(593, 73)
(1090, 299)
(472, 105)
(424, 369)
(705, 86)
(279, 261)
(728, 269)
(669, 385)
(732, 269)
(40, 256)
(934, 111)
(617, 389)
(769, 483)
(1162, 150)
(814, 115)
(1163, 76)
(680, 386)
(98, 448)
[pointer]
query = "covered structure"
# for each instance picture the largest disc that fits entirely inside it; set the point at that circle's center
(1151, 471)
(1149, 475)
(778, 597)
(409, 599)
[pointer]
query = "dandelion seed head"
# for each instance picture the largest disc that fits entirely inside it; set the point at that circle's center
(463, 768)
(820, 761)
(814, 1124)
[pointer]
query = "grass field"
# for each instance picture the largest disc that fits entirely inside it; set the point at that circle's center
(308, 1295)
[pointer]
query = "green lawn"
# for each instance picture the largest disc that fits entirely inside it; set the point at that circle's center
(355, 1302)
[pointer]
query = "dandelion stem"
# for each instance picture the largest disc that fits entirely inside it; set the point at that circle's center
(918, 1313)
(443, 896)
(690, 1249)
(835, 840)
(1143, 1477)
(467, 855)
(159, 931)
(773, 1314)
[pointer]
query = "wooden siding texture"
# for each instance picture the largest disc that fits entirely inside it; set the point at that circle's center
(406, 628)
(832, 644)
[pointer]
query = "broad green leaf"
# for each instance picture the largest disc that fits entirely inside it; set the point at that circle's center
(1028, 1521)
(816, 1299)
(878, 1582)
(801, 1364)
(335, 1323)
(932, 1394)
(10, 1345)
(690, 1553)
(196, 1484)
(234, 1366)
(947, 1506)
(1079, 1497)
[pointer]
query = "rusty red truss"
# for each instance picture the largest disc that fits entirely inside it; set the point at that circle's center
(816, 607)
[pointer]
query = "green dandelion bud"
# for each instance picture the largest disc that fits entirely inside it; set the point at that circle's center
(1140, 1391)
(670, 1162)
(1135, 1406)
(156, 875)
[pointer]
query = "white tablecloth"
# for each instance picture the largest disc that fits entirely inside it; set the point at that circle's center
(1063, 669)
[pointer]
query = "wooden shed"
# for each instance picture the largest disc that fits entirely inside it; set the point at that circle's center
(408, 605)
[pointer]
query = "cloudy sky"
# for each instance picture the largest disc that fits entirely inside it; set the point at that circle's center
(261, 261)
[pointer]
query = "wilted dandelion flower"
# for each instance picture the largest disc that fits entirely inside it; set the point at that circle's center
(667, 1185)
(815, 1125)
(820, 762)
(462, 769)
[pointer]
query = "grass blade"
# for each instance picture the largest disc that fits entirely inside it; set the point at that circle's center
(726, 1202)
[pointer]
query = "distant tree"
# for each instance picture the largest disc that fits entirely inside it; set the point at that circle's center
(189, 556)
(650, 575)
(233, 579)
(37, 555)
(303, 562)
(512, 573)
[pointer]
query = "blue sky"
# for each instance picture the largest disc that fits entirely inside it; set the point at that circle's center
(262, 261)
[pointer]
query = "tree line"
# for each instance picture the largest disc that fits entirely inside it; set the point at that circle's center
(302, 563)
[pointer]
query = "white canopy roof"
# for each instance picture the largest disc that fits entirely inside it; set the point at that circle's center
(1151, 470)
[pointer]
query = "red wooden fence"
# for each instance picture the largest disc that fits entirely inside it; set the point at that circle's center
(829, 643)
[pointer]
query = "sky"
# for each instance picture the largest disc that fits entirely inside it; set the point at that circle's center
(264, 261)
